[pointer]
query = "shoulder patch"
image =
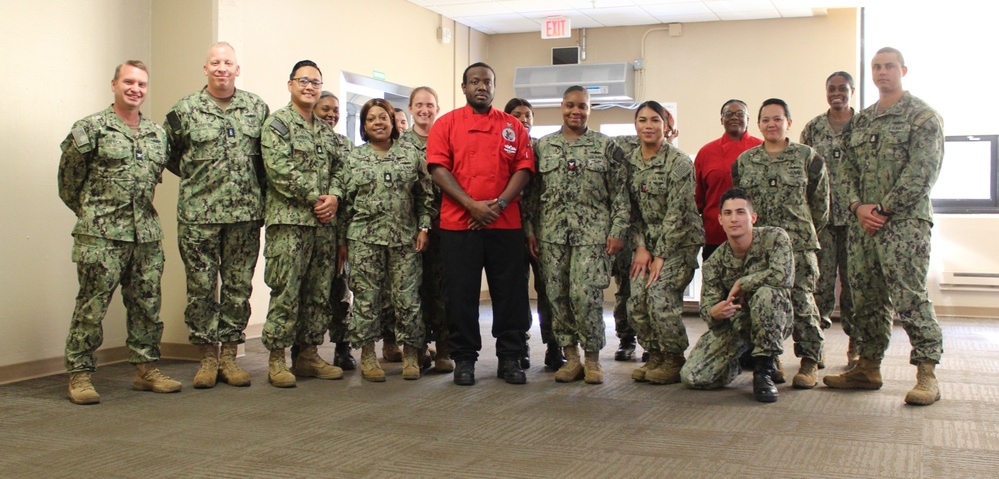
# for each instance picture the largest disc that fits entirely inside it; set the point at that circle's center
(683, 169)
(280, 127)
(81, 139)
(174, 120)
(815, 167)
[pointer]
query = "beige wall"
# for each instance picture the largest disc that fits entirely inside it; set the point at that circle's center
(705, 66)
(59, 58)
(62, 72)
(68, 50)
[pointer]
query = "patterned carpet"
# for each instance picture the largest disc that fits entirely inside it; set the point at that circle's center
(432, 428)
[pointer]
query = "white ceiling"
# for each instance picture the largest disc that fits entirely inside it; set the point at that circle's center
(516, 16)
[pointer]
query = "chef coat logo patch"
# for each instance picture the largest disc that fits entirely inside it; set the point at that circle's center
(508, 133)
(510, 149)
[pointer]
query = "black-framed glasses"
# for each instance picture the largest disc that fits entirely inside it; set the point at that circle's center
(305, 81)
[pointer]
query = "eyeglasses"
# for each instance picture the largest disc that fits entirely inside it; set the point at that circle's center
(305, 81)
(730, 114)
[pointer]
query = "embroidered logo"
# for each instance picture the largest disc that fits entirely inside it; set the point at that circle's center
(508, 133)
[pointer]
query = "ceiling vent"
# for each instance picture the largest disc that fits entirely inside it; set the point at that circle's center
(606, 82)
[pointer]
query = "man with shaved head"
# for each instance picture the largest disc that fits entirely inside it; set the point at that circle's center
(215, 150)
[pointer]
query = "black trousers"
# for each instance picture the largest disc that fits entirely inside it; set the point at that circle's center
(501, 252)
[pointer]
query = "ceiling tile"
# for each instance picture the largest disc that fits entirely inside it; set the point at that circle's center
(719, 6)
(473, 9)
(748, 15)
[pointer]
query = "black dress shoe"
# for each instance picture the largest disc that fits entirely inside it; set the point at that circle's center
(511, 372)
(464, 372)
(554, 359)
(626, 351)
(342, 358)
(525, 360)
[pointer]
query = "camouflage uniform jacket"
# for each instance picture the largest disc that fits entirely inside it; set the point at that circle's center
(411, 138)
(385, 199)
(628, 143)
(107, 176)
(831, 146)
(300, 161)
(791, 191)
(894, 158)
(664, 215)
(216, 154)
(580, 190)
(769, 262)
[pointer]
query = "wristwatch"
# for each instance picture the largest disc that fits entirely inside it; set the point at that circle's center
(425, 229)
(502, 203)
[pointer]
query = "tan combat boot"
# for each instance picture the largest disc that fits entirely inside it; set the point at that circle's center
(410, 362)
(572, 370)
(592, 373)
(778, 377)
(229, 371)
(865, 375)
(148, 378)
(370, 369)
(443, 362)
(208, 372)
(656, 359)
(668, 371)
(391, 351)
(277, 370)
(808, 375)
(81, 390)
(310, 365)
(927, 391)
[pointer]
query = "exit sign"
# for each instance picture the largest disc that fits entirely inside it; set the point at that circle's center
(556, 28)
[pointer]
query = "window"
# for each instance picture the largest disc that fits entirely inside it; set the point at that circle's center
(968, 178)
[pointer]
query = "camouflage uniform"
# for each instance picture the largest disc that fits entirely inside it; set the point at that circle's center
(220, 208)
(300, 252)
(107, 176)
(832, 257)
(581, 200)
(893, 159)
(767, 276)
(432, 287)
(387, 199)
(340, 296)
(528, 218)
(666, 222)
(621, 267)
(792, 192)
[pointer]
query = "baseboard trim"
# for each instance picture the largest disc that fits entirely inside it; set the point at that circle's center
(56, 365)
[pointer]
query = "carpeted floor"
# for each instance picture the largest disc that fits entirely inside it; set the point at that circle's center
(432, 428)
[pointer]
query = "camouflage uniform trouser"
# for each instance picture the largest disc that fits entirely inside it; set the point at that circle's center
(300, 261)
(832, 259)
(575, 278)
(714, 361)
(432, 290)
(381, 275)
(889, 269)
(212, 252)
(807, 330)
(101, 265)
(656, 311)
(544, 304)
(621, 271)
